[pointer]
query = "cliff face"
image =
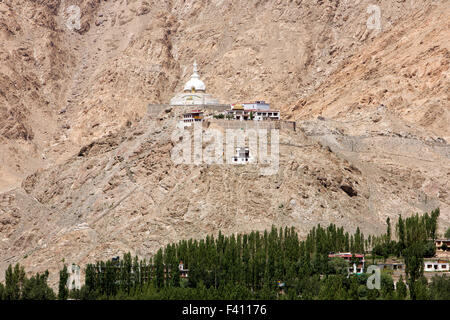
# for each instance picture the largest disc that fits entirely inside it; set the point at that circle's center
(34, 66)
(406, 69)
(85, 174)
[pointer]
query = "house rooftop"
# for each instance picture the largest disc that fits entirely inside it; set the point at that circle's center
(345, 255)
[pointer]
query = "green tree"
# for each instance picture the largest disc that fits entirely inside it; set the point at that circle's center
(89, 291)
(63, 291)
(414, 266)
(387, 287)
(401, 290)
(14, 282)
(159, 269)
(388, 232)
(36, 288)
(400, 229)
(338, 266)
(440, 288)
(421, 289)
(2, 291)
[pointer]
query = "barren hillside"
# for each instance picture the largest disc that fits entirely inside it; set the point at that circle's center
(406, 69)
(61, 88)
(123, 192)
(86, 174)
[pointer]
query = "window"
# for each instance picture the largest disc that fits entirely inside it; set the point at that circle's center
(429, 266)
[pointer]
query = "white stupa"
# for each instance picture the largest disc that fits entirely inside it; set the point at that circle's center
(194, 93)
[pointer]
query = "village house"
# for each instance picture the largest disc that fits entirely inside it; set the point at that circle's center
(257, 105)
(354, 268)
(439, 265)
(256, 111)
(183, 272)
(441, 242)
(392, 266)
(192, 116)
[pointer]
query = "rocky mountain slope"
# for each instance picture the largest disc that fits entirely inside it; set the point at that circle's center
(123, 192)
(63, 87)
(406, 69)
(86, 174)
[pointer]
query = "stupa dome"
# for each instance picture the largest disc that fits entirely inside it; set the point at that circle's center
(194, 92)
(194, 82)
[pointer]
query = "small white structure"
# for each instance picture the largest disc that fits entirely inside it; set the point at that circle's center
(239, 112)
(242, 156)
(266, 115)
(257, 105)
(184, 273)
(191, 117)
(436, 266)
(194, 93)
(357, 267)
(74, 277)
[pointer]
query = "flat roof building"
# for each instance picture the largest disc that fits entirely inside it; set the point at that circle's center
(439, 265)
(192, 116)
(355, 268)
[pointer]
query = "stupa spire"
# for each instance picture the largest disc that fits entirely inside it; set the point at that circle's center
(195, 66)
(195, 75)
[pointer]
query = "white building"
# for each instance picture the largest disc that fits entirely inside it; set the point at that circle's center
(194, 93)
(257, 105)
(191, 117)
(260, 115)
(355, 267)
(238, 112)
(184, 273)
(436, 266)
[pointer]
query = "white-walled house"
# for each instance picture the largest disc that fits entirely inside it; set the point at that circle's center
(191, 117)
(436, 266)
(260, 115)
(240, 112)
(257, 105)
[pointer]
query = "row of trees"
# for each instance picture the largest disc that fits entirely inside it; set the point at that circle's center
(18, 287)
(260, 265)
(254, 261)
(415, 240)
(254, 264)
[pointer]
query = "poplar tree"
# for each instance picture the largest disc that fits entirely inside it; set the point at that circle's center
(63, 291)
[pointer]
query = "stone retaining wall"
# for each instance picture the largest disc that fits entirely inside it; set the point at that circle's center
(233, 124)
